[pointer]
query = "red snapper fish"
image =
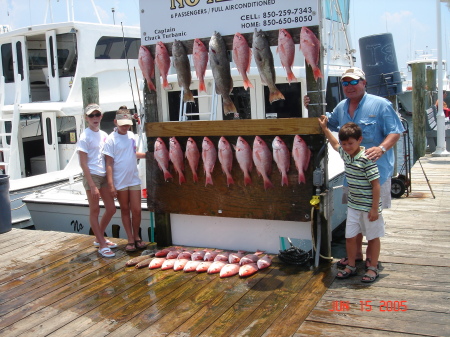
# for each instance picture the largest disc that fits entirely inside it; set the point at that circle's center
(191, 266)
(251, 258)
(248, 269)
(176, 157)
(157, 262)
(199, 255)
(262, 157)
(215, 267)
(236, 257)
(282, 158)
(162, 60)
(161, 155)
(229, 270)
(203, 266)
(209, 156)
(210, 255)
(173, 254)
(264, 262)
(310, 47)
(168, 264)
(187, 254)
(301, 154)
(183, 68)
(264, 61)
(242, 57)
(286, 50)
(226, 158)
(164, 252)
(244, 158)
(193, 156)
(222, 256)
(180, 264)
(220, 67)
(200, 57)
(147, 65)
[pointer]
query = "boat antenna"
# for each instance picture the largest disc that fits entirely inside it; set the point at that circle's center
(128, 65)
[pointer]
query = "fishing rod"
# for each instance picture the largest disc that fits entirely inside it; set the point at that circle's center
(128, 65)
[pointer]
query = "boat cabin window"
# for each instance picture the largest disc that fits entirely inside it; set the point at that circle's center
(112, 47)
(19, 59)
(174, 106)
(241, 100)
(334, 93)
(7, 62)
(107, 123)
(290, 107)
(67, 130)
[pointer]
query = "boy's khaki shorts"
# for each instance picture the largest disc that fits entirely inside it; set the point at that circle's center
(131, 188)
(99, 181)
(358, 222)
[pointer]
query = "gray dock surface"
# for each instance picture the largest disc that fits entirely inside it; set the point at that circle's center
(55, 284)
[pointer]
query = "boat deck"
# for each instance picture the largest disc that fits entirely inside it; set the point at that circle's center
(55, 284)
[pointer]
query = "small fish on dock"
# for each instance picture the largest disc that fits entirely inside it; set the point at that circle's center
(264, 262)
(229, 269)
(248, 269)
(156, 263)
(144, 263)
(135, 260)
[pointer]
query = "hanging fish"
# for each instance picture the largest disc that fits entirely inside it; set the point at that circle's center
(263, 160)
(226, 158)
(200, 57)
(282, 158)
(286, 51)
(176, 157)
(302, 155)
(147, 65)
(242, 57)
(193, 156)
(310, 47)
(161, 155)
(162, 61)
(244, 158)
(209, 156)
(183, 68)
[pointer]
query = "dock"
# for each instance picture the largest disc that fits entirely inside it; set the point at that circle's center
(56, 284)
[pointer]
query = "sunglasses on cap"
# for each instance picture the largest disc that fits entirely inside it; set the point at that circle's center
(98, 114)
(352, 82)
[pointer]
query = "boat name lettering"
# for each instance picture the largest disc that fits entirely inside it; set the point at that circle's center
(78, 227)
(192, 3)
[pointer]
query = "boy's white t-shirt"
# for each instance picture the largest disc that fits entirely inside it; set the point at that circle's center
(122, 148)
(92, 143)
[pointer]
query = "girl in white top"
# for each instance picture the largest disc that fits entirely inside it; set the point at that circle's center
(123, 176)
(92, 162)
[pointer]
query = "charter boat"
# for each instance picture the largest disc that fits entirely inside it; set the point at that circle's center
(222, 231)
(41, 107)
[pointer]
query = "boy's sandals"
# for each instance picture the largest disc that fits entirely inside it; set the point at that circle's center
(106, 252)
(109, 243)
(379, 266)
(342, 263)
(139, 244)
(344, 274)
(130, 247)
(367, 278)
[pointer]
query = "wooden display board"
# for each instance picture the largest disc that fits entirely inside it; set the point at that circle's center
(238, 201)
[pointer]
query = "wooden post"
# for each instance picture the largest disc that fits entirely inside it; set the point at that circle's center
(89, 89)
(419, 113)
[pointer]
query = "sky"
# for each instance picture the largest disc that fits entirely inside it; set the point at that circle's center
(411, 22)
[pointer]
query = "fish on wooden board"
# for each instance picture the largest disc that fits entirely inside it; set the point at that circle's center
(282, 158)
(200, 57)
(262, 157)
(198, 255)
(244, 158)
(302, 155)
(310, 47)
(183, 68)
(216, 267)
(229, 269)
(203, 266)
(135, 260)
(164, 252)
(193, 156)
(222, 256)
(264, 262)
(176, 157)
(251, 258)
(191, 266)
(226, 158)
(264, 61)
(162, 61)
(168, 264)
(242, 57)
(210, 255)
(286, 51)
(180, 263)
(236, 256)
(186, 254)
(248, 269)
(157, 262)
(220, 67)
(173, 254)
(209, 156)
(143, 263)
(147, 65)
(161, 155)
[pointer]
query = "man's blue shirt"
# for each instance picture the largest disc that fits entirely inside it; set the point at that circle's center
(377, 119)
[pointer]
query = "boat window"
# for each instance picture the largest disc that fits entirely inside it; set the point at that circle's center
(290, 107)
(48, 124)
(107, 123)
(174, 106)
(111, 47)
(66, 128)
(7, 62)
(241, 100)
(19, 59)
(52, 54)
(334, 93)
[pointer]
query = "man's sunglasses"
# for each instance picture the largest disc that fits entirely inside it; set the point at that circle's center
(98, 114)
(352, 82)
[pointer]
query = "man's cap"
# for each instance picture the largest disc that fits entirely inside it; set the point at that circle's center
(354, 73)
(90, 108)
(124, 118)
